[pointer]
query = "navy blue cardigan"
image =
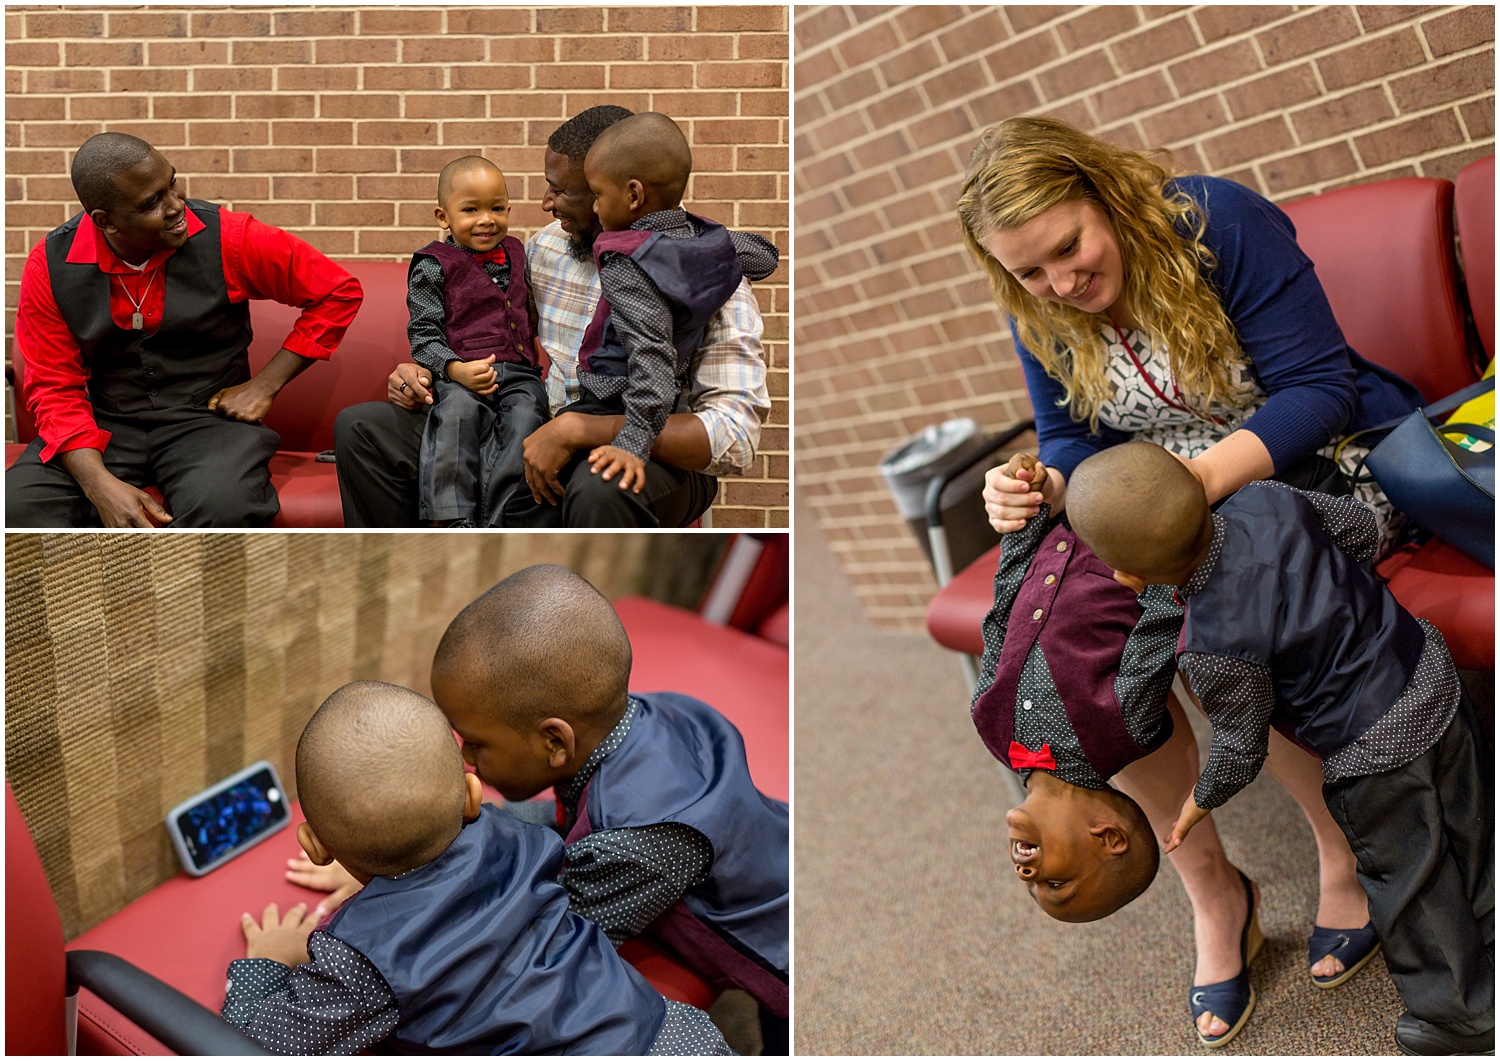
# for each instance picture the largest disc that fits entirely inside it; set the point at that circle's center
(1317, 386)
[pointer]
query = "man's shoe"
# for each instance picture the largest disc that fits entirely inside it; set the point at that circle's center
(1415, 1036)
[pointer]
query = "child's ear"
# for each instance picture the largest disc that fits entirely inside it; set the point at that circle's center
(317, 854)
(1114, 839)
(560, 741)
(442, 217)
(473, 796)
(635, 193)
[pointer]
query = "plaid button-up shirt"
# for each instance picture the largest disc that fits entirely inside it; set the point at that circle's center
(726, 387)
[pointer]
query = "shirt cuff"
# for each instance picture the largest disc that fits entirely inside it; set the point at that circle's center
(302, 346)
(635, 440)
(92, 438)
(251, 981)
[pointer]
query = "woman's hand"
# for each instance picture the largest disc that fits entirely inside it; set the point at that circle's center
(1013, 492)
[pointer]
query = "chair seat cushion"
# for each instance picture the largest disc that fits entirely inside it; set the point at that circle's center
(1456, 594)
(955, 615)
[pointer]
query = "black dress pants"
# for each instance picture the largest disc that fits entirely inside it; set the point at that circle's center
(211, 471)
(1423, 835)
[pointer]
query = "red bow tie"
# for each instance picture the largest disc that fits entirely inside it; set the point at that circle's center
(497, 256)
(1023, 758)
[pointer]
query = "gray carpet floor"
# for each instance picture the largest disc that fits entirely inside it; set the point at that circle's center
(911, 935)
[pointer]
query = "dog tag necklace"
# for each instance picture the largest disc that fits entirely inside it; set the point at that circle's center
(138, 319)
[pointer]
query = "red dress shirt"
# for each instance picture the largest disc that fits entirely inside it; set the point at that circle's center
(260, 261)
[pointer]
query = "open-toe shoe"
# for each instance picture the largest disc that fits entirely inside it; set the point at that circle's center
(1352, 946)
(1233, 1000)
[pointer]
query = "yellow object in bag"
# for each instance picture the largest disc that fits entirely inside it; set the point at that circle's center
(1481, 411)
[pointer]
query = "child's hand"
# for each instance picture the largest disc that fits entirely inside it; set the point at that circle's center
(282, 939)
(478, 376)
(1190, 816)
(611, 460)
(332, 878)
(1014, 492)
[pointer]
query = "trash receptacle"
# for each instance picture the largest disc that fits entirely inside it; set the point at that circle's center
(934, 451)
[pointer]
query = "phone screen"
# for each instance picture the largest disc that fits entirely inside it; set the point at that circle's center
(231, 818)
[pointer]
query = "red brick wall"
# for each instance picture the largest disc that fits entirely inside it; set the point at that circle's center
(334, 121)
(895, 328)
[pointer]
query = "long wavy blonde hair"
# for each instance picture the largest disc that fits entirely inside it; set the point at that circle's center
(1023, 167)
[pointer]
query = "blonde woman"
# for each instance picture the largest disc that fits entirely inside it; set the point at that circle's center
(1181, 311)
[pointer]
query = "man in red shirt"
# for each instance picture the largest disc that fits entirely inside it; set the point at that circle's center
(133, 326)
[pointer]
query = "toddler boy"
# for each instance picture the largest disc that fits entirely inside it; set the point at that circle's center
(1284, 626)
(461, 940)
(666, 834)
(663, 274)
(473, 325)
(1073, 687)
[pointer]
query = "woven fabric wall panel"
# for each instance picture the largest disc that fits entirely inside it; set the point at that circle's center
(142, 668)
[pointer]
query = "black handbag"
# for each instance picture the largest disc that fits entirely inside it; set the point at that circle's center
(1445, 487)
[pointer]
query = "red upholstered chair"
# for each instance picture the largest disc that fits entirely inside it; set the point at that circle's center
(41, 980)
(185, 932)
(304, 411)
(1384, 254)
(1474, 210)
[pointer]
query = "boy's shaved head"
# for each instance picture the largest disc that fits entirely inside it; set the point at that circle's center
(1138, 508)
(542, 643)
(646, 147)
(97, 161)
(462, 165)
(380, 778)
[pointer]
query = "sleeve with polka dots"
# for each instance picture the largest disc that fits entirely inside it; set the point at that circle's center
(624, 879)
(1016, 550)
(1148, 663)
(1238, 698)
(336, 1004)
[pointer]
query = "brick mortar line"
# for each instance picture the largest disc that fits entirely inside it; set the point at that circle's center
(1145, 24)
(1385, 80)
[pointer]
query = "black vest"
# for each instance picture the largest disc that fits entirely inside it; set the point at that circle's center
(200, 346)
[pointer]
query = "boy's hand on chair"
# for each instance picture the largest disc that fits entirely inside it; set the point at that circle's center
(610, 461)
(478, 376)
(282, 939)
(332, 878)
(1190, 816)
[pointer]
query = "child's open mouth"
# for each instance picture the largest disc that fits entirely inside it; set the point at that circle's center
(1021, 851)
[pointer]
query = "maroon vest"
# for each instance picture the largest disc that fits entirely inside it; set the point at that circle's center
(482, 317)
(1082, 618)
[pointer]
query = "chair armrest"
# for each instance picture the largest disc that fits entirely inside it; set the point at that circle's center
(158, 1008)
(942, 561)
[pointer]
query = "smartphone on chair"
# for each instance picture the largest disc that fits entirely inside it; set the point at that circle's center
(222, 821)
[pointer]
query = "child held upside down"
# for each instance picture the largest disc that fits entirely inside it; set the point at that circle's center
(1066, 708)
(461, 940)
(1285, 626)
(663, 274)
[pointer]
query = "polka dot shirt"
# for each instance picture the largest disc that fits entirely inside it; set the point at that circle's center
(624, 879)
(336, 1004)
